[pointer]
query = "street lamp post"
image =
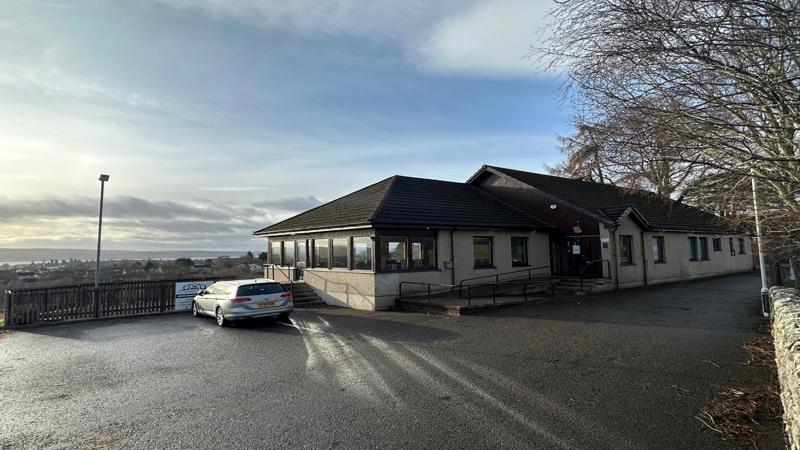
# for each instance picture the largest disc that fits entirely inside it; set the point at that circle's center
(103, 179)
(765, 306)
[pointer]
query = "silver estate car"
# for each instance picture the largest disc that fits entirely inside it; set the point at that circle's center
(243, 299)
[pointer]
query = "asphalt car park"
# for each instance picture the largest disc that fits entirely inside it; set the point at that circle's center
(617, 370)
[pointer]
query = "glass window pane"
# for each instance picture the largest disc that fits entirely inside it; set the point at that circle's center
(703, 248)
(301, 252)
(519, 251)
(393, 253)
(693, 248)
(321, 254)
(423, 253)
(626, 249)
(482, 251)
(658, 249)
(259, 289)
(362, 253)
(339, 253)
(276, 253)
(288, 253)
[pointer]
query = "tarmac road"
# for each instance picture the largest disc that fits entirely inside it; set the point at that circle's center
(618, 370)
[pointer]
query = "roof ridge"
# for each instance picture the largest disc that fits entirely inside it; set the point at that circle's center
(383, 199)
(326, 203)
(508, 205)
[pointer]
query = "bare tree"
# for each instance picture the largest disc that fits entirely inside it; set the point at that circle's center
(719, 77)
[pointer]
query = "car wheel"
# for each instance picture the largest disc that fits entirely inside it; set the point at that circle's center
(221, 317)
(194, 310)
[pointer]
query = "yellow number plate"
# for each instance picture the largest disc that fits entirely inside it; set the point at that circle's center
(265, 304)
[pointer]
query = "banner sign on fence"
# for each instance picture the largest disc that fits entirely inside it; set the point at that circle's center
(185, 292)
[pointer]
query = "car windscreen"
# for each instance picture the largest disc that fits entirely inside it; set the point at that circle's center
(259, 289)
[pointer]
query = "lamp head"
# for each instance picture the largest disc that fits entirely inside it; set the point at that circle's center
(103, 177)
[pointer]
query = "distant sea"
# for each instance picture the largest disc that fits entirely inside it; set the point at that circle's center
(14, 256)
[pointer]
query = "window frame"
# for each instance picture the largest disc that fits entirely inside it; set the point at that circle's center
(730, 244)
(370, 252)
(303, 243)
(394, 238)
(702, 245)
(694, 252)
(742, 250)
(315, 253)
(716, 244)
(293, 251)
(277, 245)
(346, 252)
(410, 253)
(490, 265)
(526, 260)
(629, 260)
(658, 247)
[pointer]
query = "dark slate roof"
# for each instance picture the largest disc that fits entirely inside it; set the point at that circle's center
(607, 201)
(407, 201)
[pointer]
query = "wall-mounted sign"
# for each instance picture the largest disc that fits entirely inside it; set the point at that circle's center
(576, 249)
(185, 292)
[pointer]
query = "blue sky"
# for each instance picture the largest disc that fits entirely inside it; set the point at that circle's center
(217, 117)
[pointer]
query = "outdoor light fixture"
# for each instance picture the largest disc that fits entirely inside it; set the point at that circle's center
(577, 228)
(103, 177)
(553, 206)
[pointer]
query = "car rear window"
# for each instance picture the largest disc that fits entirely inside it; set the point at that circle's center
(259, 289)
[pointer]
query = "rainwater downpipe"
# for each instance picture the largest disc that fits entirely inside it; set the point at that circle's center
(452, 258)
(614, 254)
(644, 263)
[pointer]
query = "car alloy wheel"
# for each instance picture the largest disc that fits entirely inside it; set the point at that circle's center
(220, 317)
(194, 309)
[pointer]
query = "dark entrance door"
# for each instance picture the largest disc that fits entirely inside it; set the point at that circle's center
(572, 254)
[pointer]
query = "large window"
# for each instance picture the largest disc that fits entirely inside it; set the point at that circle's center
(362, 253)
(301, 252)
(339, 253)
(703, 243)
(519, 251)
(275, 252)
(716, 244)
(393, 253)
(626, 249)
(658, 249)
(288, 253)
(741, 246)
(321, 253)
(482, 252)
(730, 243)
(692, 248)
(423, 252)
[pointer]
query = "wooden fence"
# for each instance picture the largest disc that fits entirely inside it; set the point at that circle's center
(79, 302)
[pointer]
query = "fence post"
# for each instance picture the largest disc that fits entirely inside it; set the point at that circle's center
(7, 311)
(96, 295)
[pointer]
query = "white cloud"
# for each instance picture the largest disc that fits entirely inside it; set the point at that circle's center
(474, 37)
(490, 38)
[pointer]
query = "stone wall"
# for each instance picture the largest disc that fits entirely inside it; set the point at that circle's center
(786, 332)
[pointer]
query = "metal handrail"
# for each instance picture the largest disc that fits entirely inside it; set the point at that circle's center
(497, 276)
(287, 274)
(495, 291)
(428, 285)
(591, 264)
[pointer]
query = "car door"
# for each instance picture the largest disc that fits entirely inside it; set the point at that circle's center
(207, 301)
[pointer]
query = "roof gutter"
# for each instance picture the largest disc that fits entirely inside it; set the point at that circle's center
(311, 230)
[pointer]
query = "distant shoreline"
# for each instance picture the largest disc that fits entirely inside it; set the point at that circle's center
(16, 256)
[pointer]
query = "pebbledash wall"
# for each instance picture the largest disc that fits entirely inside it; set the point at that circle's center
(676, 265)
(786, 333)
(375, 290)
